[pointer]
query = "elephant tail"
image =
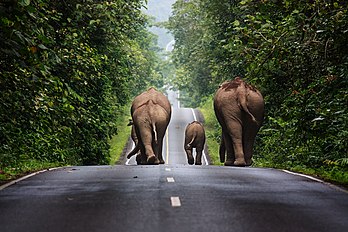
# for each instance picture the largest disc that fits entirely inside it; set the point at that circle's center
(134, 151)
(242, 101)
(188, 146)
(154, 132)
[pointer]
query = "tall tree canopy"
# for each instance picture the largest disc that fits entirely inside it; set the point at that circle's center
(66, 69)
(294, 51)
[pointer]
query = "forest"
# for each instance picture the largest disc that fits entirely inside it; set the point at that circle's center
(69, 70)
(295, 52)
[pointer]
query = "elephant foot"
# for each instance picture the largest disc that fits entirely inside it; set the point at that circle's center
(229, 163)
(161, 162)
(152, 159)
(249, 163)
(190, 160)
(140, 159)
(198, 163)
(239, 163)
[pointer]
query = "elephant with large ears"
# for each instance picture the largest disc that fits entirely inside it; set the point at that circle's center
(239, 108)
(151, 113)
(194, 138)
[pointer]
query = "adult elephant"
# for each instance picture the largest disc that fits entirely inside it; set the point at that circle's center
(239, 108)
(151, 112)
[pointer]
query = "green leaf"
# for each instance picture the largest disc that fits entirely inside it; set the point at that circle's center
(236, 23)
(24, 2)
(42, 46)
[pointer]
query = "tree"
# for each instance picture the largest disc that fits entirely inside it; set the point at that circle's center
(67, 67)
(294, 51)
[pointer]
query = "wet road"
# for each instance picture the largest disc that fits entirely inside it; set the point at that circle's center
(171, 197)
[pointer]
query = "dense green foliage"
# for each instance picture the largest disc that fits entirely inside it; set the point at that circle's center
(67, 69)
(295, 52)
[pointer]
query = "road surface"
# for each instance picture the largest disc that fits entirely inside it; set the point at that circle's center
(171, 197)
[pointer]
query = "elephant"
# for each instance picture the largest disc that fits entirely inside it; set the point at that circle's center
(194, 138)
(151, 113)
(239, 108)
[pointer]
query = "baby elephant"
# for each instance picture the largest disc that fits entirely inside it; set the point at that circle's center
(194, 138)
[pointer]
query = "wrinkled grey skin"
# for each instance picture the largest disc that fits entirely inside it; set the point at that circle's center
(151, 112)
(239, 108)
(194, 138)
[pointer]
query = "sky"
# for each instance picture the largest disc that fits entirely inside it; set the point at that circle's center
(161, 10)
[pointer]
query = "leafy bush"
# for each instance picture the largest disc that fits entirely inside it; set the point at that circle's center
(294, 51)
(67, 69)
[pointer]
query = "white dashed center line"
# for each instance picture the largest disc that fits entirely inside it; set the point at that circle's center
(168, 169)
(175, 201)
(170, 179)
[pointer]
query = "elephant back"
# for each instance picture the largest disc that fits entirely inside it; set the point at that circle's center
(156, 97)
(236, 96)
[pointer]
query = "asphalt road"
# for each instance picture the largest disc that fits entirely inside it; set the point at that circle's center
(171, 197)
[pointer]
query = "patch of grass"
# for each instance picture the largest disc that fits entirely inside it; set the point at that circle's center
(334, 174)
(23, 168)
(119, 140)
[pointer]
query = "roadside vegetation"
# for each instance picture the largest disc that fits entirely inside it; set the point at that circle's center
(295, 52)
(68, 69)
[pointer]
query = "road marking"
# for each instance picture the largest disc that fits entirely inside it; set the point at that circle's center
(168, 169)
(203, 153)
(178, 97)
(175, 201)
(2, 187)
(170, 180)
(194, 115)
(317, 180)
(167, 146)
(303, 175)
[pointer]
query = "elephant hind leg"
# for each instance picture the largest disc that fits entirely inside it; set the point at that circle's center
(198, 156)
(249, 136)
(222, 149)
(226, 147)
(234, 145)
(190, 158)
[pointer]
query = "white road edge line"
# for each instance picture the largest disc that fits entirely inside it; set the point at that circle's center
(167, 146)
(2, 187)
(203, 153)
(317, 180)
(303, 175)
(175, 201)
(170, 180)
